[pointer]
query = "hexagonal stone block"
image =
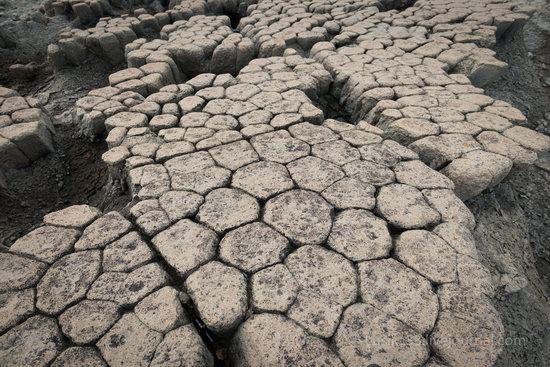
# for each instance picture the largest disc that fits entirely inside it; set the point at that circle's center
(224, 209)
(36, 342)
(400, 292)
(46, 243)
(162, 310)
(186, 245)
(404, 206)
(312, 173)
(318, 315)
(139, 283)
(360, 235)
(17, 272)
(129, 342)
(324, 272)
(88, 320)
(312, 134)
(339, 152)
(126, 253)
(180, 204)
(79, 356)
(234, 155)
(262, 179)
(428, 254)
(67, 281)
(368, 336)
(370, 172)
(14, 307)
(220, 295)
(417, 174)
(253, 246)
(182, 347)
(350, 193)
(76, 216)
(273, 289)
(274, 340)
(302, 216)
(279, 146)
(103, 231)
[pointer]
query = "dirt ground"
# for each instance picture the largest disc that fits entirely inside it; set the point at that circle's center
(513, 231)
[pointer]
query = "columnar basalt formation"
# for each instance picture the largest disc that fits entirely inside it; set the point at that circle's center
(296, 239)
(25, 131)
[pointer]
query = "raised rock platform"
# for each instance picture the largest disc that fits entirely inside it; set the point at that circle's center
(262, 232)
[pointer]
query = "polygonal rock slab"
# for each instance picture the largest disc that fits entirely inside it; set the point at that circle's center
(67, 281)
(399, 292)
(234, 155)
(224, 209)
(312, 134)
(368, 336)
(127, 253)
(79, 356)
(273, 289)
(451, 208)
(102, 231)
(417, 174)
(360, 235)
(428, 254)
(253, 246)
(370, 172)
(262, 179)
(17, 272)
(76, 216)
(46, 243)
(350, 193)
(302, 216)
(139, 283)
(182, 347)
(219, 293)
(324, 272)
(404, 206)
(36, 342)
(14, 307)
(279, 146)
(180, 204)
(129, 343)
(162, 310)
(274, 340)
(88, 320)
(312, 173)
(318, 315)
(339, 152)
(186, 245)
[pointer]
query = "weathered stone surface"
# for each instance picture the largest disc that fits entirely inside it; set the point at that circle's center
(162, 310)
(359, 235)
(324, 272)
(47, 243)
(368, 336)
(224, 209)
(139, 283)
(350, 193)
(18, 272)
(253, 246)
(14, 307)
(234, 155)
(273, 289)
(182, 347)
(127, 253)
(262, 179)
(88, 320)
(400, 292)
(103, 231)
(283, 343)
(220, 295)
(339, 152)
(76, 216)
(180, 204)
(67, 281)
(302, 216)
(186, 245)
(129, 343)
(370, 172)
(318, 315)
(315, 174)
(36, 342)
(79, 356)
(451, 208)
(428, 254)
(279, 146)
(417, 174)
(409, 211)
(312, 134)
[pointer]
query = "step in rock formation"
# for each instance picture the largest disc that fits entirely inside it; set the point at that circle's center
(262, 232)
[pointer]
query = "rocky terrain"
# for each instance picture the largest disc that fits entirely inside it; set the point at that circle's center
(274, 183)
